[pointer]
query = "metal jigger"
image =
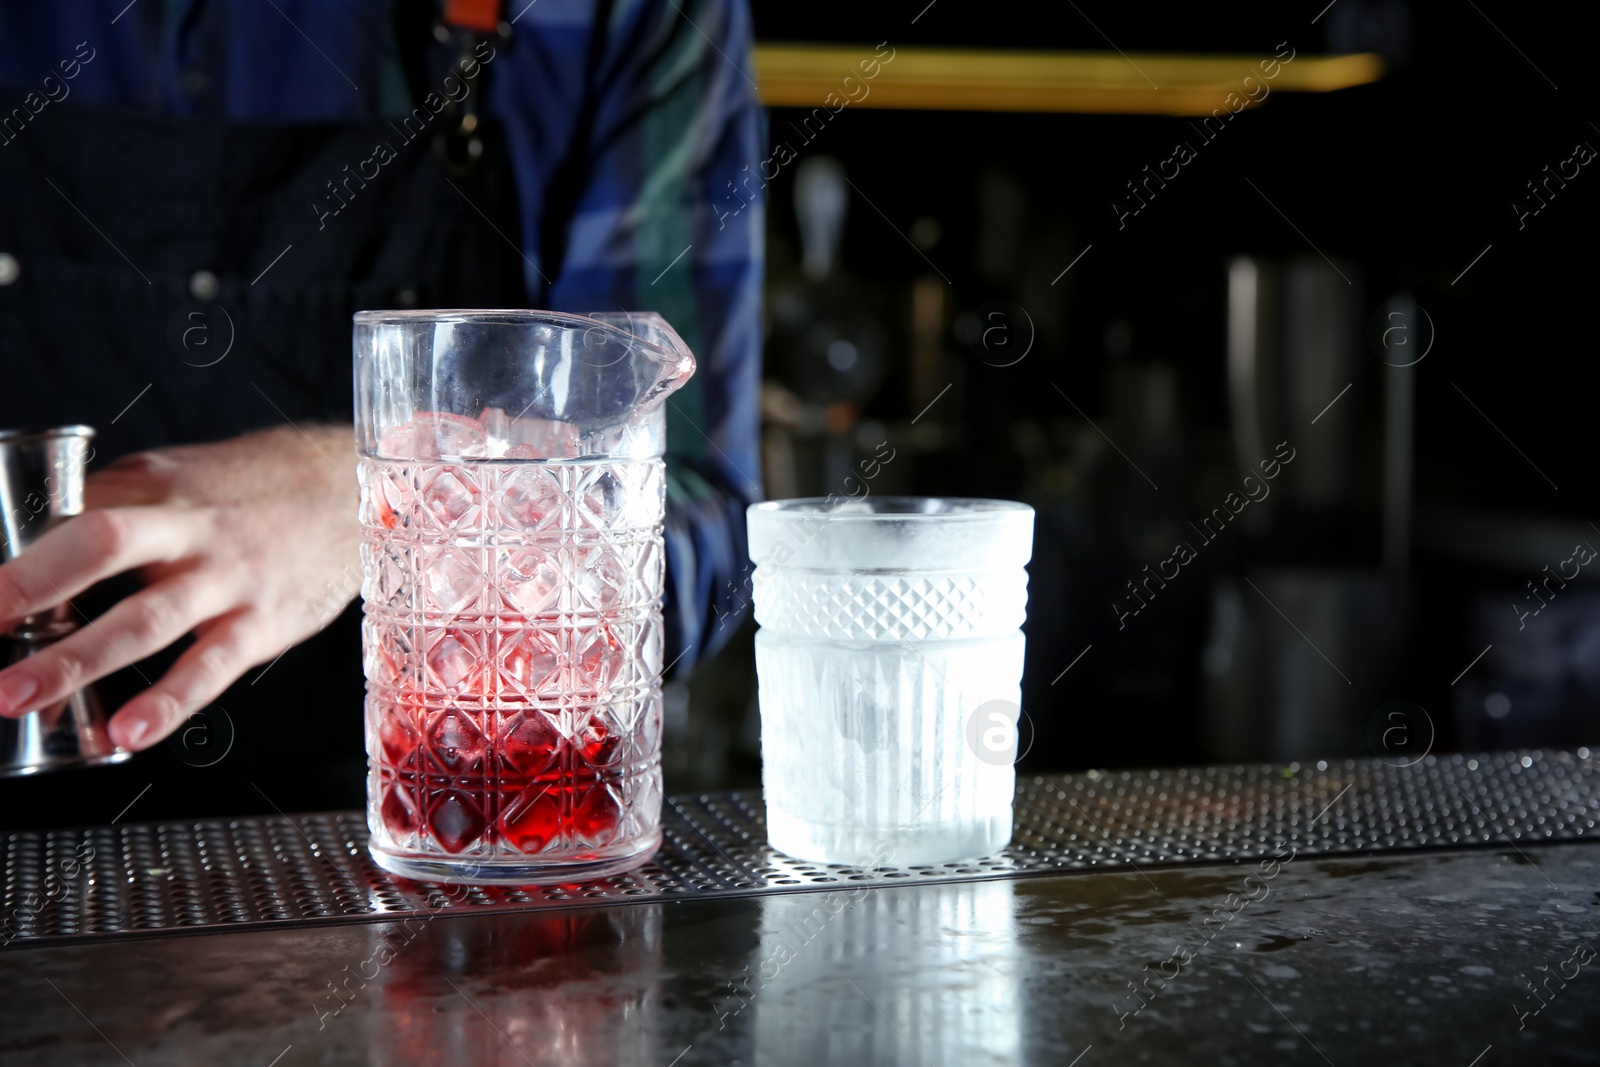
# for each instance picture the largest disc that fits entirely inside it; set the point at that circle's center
(41, 484)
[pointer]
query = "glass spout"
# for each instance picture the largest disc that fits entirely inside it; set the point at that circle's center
(514, 384)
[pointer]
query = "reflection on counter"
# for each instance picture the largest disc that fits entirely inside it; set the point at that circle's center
(559, 989)
(820, 991)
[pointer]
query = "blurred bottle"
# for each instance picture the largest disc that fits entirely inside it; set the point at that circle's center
(826, 345)
(1308, 639)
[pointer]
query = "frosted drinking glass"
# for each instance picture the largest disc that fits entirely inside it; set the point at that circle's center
(512, 495)
(890, 667)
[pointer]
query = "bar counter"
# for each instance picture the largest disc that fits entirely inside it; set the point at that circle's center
(1444, 912)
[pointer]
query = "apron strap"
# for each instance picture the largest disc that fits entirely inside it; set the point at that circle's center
(469, 24)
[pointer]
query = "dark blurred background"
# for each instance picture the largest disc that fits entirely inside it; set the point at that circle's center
(1413, 576)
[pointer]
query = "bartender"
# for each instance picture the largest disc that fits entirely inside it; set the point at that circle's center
(195, 196)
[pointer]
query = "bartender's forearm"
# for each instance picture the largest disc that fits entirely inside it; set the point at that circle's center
(233, 540)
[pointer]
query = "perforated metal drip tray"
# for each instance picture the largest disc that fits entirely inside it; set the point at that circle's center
(152, 878)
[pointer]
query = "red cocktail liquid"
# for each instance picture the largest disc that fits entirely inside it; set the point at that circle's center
(500, 772)
(526, 811)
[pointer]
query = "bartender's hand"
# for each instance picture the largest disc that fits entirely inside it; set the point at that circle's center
(234, 541)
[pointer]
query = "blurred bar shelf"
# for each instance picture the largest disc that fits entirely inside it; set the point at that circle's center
(1146, 83)
(1512, 543)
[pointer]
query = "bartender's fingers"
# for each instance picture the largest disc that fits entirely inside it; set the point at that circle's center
(224, 651)
(134, 628)
(87, 549)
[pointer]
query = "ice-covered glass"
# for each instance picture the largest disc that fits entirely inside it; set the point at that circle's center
(890, 664)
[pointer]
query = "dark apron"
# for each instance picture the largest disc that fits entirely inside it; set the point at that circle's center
(190, 280)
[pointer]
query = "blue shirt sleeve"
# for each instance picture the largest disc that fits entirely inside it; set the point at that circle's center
(672, 123)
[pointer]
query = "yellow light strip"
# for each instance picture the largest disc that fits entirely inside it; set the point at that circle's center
(803, 75)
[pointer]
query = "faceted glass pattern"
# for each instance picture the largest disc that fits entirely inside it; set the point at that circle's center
(890, 607)
(512, 647)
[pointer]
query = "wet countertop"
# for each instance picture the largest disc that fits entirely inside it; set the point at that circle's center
(1418, 957)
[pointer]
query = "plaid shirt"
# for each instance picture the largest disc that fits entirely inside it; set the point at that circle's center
(661, 101)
